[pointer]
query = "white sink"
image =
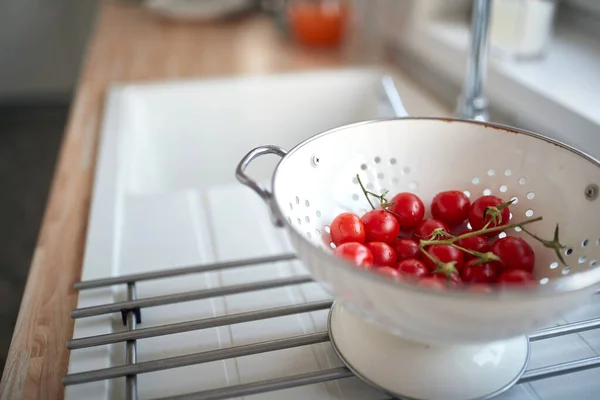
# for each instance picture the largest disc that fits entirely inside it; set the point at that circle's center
(192, 133)
(165, 195)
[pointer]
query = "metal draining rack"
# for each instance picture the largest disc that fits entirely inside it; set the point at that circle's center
(131, 312)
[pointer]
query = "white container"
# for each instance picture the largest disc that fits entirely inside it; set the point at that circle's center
(521, 28)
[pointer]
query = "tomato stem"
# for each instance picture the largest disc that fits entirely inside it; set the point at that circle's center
(438, 234)
(424, 243)
(471, 252)
(495, 212)
(504, 205)
(498, 228)
(383, 202)
(447, 269)
(437, 262)
(487, 224)
(483, 257)
(553, 244)
(365, 191)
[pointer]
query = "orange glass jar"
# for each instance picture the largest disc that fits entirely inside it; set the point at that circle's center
(318, 23)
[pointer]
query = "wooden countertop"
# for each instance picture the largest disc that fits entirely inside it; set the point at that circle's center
(128, 44)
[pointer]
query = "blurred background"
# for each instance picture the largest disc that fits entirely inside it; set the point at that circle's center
(544, 75)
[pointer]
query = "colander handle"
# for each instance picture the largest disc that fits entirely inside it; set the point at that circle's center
(263, 192)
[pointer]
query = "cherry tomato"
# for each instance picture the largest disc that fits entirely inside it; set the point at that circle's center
(451, 280)
(516, 277)
(405, 248)
(481, 273)
(425, 228)
(357, 253)
(451, 207)
(383, 254)
(445, 254)
(477, 243)
(347, 227)
(389, 273)
(411, 267)
(477, 216)
(408, 210)
(515, 253)
(432, 283)
(380, 226)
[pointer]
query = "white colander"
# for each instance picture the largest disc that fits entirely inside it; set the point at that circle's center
(316, 180)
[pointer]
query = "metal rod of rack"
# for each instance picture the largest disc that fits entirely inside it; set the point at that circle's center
(171, 273)
(560, 369)
(238, 351)
(195, 358)
(267, 386)
(567, 329)
(340, 373)
(187, 296)
(130, 311)
(326, 375)
(131, 347)
(205, 323)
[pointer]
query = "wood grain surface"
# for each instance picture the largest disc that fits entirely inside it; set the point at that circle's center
(128, 44)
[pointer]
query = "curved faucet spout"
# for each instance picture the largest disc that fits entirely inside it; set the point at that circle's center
(472, 103)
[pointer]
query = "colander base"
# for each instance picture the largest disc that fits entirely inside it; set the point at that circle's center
(410, 370)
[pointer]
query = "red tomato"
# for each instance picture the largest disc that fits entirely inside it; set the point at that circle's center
(445, 254)
(452, 280)
(482, 273)
(412, 268)
(425, 228)
(405, 248)
(389, 273)
(380, 226)
(383, 254)
(515, 253)
(516, 277)
(451, 207)
(357, 253)
(477, 243)
(431, 283)
(477, 216)
(408, 209)
(347, 227)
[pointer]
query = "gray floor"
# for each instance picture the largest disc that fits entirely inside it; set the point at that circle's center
(29, 141)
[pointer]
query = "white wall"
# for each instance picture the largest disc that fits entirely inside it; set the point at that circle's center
(41, 46)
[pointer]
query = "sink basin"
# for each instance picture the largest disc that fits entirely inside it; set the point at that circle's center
(192, 133)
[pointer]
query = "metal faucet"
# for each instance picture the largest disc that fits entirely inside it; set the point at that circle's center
(472, 103)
